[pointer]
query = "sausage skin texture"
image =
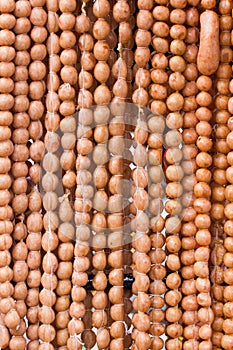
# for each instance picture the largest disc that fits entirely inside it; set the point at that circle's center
(209, 50)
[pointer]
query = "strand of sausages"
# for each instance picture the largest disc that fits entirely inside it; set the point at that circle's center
(50, 164)
(13, 319)
(220, 189)
(141, 240)
(223, 336)
(127, 38)
(21, 154)
(84, 178)
(38, 53)
(66, 92)
(36, 109)
(202, 203)
(156, 192)
(116, 145)
(177, 173)
(142, 243)
(101, 167)
(102, 95)
(100, 317)
(101, 301)
(157, 254)
(10, 318)
(52, 287)
(158, 92)
(140, 207)
(188, 230)
(84, 191)
(55, 288)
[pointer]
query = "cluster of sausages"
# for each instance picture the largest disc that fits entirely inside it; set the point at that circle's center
(90, 185)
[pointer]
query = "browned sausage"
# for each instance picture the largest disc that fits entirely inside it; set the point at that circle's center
(209, 50)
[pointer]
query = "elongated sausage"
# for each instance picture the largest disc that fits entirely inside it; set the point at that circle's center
(209, 50)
